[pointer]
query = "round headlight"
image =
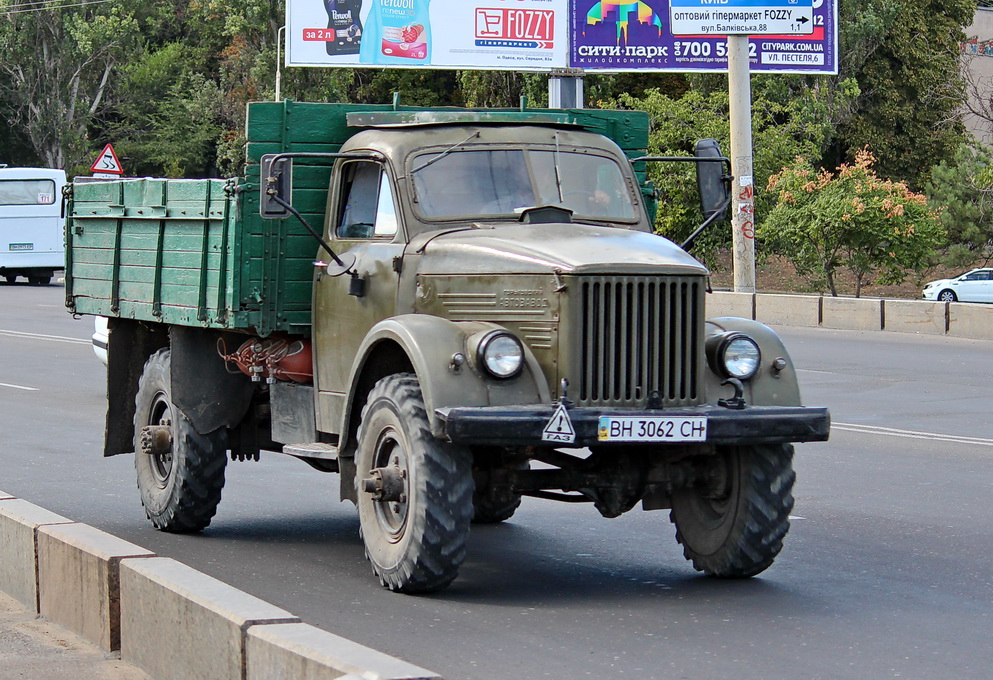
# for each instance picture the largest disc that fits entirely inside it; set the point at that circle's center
(501, 354)
(741, 357)
(733, 355)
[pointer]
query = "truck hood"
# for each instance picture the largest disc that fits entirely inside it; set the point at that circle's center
(541, 248)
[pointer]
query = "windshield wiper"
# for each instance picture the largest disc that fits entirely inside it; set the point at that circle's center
(444, 153)
(558, 175)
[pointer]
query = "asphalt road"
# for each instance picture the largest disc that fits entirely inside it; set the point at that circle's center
(886, 571)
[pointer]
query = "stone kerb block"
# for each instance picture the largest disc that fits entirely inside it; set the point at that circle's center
(180, 624)
(789, 310)
(78, 570)
(303, 652)
(970, 321)
(725, 303)
(855, 314)
(19, 524)
(915, 316)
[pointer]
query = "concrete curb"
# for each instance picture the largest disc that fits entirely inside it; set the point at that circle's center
(303, 652)
(955, 319)
(78, 580)
(169, 620)
(19, 524)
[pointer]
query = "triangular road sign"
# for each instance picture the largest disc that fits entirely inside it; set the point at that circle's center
(107, 162)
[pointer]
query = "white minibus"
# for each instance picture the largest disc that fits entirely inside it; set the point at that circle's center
(32, 239)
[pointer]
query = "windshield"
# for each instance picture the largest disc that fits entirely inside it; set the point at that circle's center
(502, 182)
(27, 192)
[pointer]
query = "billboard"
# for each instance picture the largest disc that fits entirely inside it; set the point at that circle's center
(636, 35)
(535, 35)
(519, 35)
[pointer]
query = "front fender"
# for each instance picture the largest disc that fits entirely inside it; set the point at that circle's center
(430, 343)
(768, 387)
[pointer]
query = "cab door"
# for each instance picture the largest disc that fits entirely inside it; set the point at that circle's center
(362, 222)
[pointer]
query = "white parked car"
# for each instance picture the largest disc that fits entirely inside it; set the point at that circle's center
(100, 337)
(973, 286)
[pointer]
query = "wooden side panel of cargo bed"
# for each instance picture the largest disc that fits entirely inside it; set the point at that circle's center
(155, 250)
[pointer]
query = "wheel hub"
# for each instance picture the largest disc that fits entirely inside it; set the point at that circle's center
(155, 440)
(386, 484)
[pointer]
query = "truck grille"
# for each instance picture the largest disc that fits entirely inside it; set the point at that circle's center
(639, 335)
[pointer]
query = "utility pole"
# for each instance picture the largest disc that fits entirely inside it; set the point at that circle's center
(739, 19)
(743, 188)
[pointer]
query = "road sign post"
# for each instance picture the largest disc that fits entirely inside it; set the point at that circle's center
(739, 19)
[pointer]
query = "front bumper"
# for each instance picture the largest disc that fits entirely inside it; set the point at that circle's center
(524, 425)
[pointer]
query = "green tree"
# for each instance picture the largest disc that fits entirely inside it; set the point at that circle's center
(781, 132)
(963, 185)
(56, 73)
(824, 222)
(905, 57)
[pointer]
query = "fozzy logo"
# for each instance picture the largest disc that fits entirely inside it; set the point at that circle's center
(526, 25)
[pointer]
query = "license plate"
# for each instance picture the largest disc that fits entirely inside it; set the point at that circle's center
(652, 429)
(21, 246)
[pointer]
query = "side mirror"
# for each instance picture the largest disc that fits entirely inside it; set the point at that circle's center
(711, 180)
(276, 181)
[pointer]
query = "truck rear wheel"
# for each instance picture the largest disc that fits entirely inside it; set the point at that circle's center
(733, 525)
(180, 471)
(414, 491)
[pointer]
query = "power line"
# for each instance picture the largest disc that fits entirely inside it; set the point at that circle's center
(47, 5)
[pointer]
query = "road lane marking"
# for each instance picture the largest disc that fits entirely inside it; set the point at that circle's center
(910, 434)
(19, 387)
(39, 336)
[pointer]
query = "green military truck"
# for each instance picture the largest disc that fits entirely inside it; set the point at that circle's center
(452, 309)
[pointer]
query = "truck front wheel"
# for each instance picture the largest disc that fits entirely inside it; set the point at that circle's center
(180, 471)
(414, 491)
(731, 523)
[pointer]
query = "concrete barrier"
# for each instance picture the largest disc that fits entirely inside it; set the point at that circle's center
(303, 652)
(915, 316)
(78, 575)
(792, 310)
(725, 303)
(856, 314)
(19, 524)
(970, 321)
(180, 624)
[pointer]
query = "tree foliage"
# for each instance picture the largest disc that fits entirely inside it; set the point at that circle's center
(56, 73)
(905, 57)
(963, 184)
(877, 229)
(781, 131)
